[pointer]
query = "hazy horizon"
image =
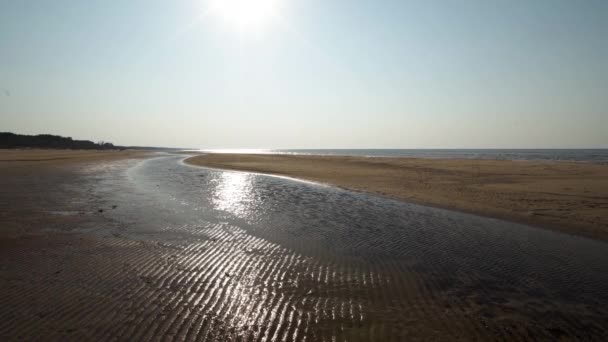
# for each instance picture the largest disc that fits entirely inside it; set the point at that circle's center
(293, 74)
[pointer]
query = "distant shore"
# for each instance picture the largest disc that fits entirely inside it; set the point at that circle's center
(565, 196)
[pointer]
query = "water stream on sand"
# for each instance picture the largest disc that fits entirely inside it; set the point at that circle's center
(256, 257)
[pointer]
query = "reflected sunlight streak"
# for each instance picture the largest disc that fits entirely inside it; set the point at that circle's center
(234, 193)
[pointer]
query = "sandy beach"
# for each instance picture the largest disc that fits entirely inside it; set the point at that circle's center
(10, 158)
(31, 181)
(120, 246)
(570, 197)
(278, 171)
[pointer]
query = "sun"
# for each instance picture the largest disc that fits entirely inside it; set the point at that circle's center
(245, 15)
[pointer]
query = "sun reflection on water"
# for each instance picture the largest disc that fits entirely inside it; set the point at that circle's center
(234, 193)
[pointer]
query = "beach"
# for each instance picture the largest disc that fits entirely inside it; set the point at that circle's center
(139, 246)
(278, 171)
(566, 196)
(10, 158)
(31, 181)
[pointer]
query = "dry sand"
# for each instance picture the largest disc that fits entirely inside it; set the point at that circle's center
(571, 197)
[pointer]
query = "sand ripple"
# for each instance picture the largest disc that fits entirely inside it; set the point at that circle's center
(196, 254)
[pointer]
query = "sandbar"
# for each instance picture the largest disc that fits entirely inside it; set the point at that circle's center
(571, 197)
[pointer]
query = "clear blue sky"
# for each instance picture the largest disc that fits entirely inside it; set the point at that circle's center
(318, 74)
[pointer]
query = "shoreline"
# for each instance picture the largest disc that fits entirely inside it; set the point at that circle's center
(79, 235)
(570, 197)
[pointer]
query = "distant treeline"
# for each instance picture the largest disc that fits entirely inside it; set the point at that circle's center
(11, 140)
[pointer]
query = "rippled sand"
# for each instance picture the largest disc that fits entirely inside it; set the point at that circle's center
(184, 253)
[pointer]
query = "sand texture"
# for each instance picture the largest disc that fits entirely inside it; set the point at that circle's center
(32, 179)
(41, 157)
(105, 247)
(571, 197)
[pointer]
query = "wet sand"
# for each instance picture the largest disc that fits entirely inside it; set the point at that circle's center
(31, 184)
(117, 248)
(10, 158)
(570, 197)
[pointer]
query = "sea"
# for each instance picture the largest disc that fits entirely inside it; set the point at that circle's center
(596, 156)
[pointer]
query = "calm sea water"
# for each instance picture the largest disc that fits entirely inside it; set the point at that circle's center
(599, 156)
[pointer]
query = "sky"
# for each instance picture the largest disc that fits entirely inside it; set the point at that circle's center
(308, 73)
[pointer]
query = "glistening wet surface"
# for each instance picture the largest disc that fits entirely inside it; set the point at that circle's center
(217, 255)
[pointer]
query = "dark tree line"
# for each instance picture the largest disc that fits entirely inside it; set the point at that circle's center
(11, 140)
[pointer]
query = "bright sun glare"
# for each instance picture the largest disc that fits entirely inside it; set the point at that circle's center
(245, 15)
